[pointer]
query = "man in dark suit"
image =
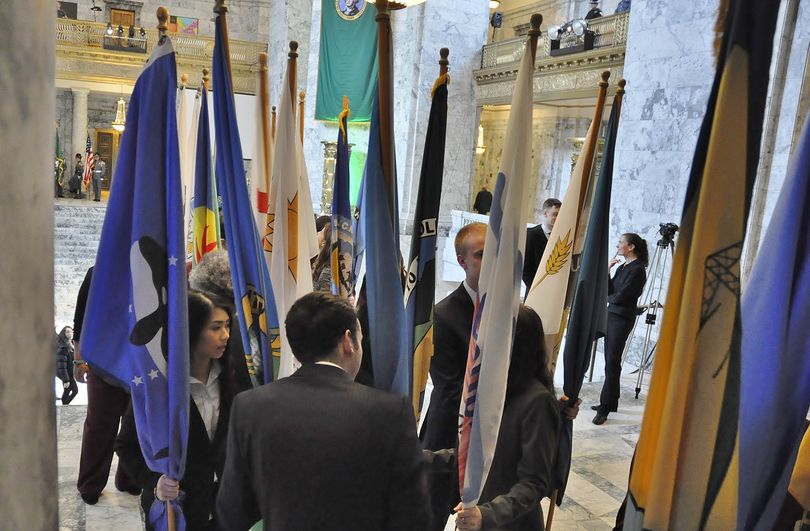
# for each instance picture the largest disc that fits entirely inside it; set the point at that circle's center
(537, 238)
(483, 200)
(452, 323)
(317, 450)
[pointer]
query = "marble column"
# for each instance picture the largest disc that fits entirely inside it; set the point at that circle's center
(290, 20)
(419, 33)
(79, 122)
(28, 470)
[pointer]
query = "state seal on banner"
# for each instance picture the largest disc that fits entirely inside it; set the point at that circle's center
(350, 9)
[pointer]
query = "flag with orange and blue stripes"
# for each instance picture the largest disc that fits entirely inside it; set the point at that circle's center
(206, 237)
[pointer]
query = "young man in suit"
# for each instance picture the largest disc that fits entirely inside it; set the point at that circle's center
(537, 238)
(317, 450)
(452, 323)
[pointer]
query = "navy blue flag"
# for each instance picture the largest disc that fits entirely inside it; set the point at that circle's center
(588, 319)
(342, 243)
(136, 321)
(420, 285)
(775, 370)
(255, 304)
(386, 309)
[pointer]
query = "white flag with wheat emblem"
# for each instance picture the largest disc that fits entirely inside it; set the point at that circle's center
(548, 291)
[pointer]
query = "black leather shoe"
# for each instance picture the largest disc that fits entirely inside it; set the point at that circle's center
(595, 407)
(600, 419)
(90, 499)
(135, 491)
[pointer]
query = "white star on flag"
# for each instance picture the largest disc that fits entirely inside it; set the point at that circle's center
(137, 380)
(172, 260)
(130, 308)
(153, 374)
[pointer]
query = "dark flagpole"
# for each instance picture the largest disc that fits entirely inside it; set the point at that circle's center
(385, 73)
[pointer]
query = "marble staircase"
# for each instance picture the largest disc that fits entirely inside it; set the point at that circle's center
(77, 230)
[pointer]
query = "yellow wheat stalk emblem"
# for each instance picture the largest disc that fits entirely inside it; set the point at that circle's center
(559, 255)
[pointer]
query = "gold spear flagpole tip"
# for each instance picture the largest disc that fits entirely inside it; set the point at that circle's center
(163, 19)
(220, 7)
(536, 20)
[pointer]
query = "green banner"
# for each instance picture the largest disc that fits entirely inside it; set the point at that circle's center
(348, 59)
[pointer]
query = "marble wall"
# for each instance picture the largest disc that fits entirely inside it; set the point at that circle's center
(668, 84)
(28, 468)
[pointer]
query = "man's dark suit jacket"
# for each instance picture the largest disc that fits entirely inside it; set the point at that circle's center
(317, 451)
(204, 461)
(625, 288)
(452, 323)
(536, 241)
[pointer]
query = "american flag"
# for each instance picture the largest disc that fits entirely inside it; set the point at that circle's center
(88, 162)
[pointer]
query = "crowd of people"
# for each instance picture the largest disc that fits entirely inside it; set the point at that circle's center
(322, 449)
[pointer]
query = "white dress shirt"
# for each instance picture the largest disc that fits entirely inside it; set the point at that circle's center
(206, 398)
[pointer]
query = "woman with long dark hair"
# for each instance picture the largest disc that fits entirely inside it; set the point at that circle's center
(212, 390)
(521, 469)
(624, 290)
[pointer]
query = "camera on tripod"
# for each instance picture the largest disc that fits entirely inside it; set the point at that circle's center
(667, 231)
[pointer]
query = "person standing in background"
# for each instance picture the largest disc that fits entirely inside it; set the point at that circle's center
(537, 238)
(99, 172)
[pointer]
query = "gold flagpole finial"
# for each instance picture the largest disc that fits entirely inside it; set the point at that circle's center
(163, 23)
(443, 61)
(605, 76)
(205, 78)
(263, 61)
(621, 84)
(183, 80)
(220, 7)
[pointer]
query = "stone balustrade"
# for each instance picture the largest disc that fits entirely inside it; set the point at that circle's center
(81, 55)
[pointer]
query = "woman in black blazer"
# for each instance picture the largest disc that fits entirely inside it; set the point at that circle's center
(624, 290)
(520, 474)
(212, 390)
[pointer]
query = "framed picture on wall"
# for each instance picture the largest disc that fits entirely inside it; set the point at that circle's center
(67, 10)
(187, 25)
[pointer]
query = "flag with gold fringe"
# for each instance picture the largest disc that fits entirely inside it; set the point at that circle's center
(342, 243)
(685, 472)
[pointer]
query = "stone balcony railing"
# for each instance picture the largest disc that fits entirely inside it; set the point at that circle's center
(81, 54)
(610, 31)
(556, 77)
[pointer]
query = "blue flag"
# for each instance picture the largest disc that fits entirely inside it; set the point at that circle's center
(136, 321)
(251, 281)
(386, 310)
(420, 286)
(775, 369)
(342, 243)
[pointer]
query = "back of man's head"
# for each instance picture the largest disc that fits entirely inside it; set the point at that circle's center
(316, 323)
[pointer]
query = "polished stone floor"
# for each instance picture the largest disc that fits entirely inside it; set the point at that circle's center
(597, 484)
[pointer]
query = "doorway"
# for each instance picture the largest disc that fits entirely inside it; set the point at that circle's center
(107, 141)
